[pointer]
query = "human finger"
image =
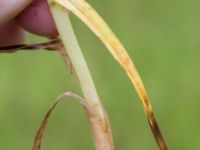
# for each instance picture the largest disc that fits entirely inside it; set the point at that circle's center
(11, 8)
(11, 34)
(37, 19)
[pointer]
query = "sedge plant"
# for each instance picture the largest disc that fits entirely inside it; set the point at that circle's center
(70, 51)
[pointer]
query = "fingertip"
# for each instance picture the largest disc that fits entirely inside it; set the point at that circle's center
(11, 34)
(37, 19)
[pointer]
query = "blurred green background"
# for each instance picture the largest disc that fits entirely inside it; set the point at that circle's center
(162, 37)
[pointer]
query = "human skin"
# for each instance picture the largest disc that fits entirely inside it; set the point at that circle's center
(19, 15)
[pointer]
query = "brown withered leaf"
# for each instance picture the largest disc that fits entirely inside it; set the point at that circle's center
(40, 132)
(52, 44)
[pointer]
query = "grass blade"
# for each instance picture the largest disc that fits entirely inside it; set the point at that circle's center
(89, 16)
(98, 118)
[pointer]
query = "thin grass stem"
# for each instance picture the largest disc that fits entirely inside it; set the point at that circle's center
(97, 117)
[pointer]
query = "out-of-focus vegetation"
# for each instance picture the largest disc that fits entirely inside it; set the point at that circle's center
(162, 37)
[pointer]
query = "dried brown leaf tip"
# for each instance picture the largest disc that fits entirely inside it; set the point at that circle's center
(40, 132)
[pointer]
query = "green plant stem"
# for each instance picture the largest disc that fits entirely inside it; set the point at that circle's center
(97, 117)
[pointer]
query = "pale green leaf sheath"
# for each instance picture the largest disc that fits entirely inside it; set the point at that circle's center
(97, 116)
